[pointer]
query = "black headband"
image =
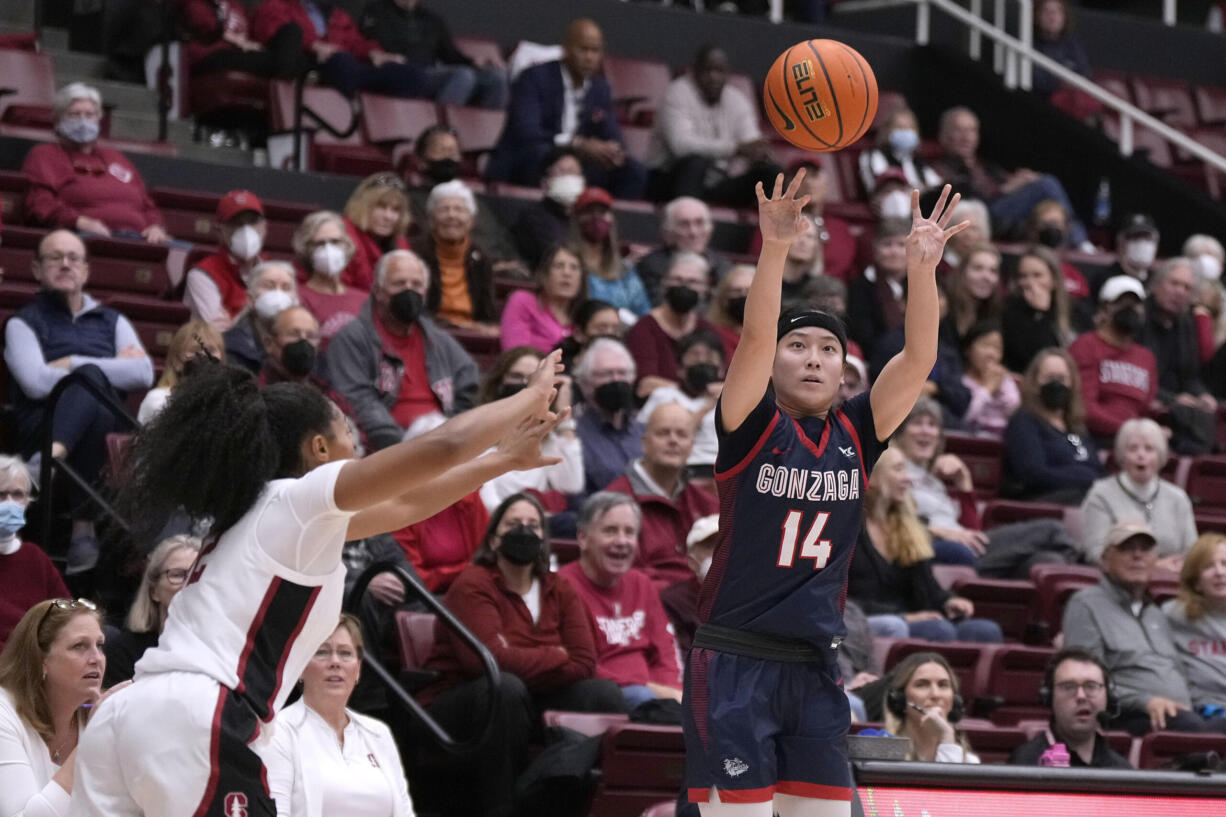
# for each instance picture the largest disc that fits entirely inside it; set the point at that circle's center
(816, 318)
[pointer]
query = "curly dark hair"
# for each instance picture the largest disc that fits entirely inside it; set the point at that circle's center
(212, 449)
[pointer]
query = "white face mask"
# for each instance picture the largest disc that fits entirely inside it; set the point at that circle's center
(703, 568)
(1208, 267)
(565, 189)
(329, 260)
(245, 243)
(1141, 252)
(896, 205)
(272, 303)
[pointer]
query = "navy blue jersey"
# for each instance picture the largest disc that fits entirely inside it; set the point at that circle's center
(790, 495)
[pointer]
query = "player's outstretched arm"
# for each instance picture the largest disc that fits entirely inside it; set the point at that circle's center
(403, 467)
(781, 220)
(901, 381)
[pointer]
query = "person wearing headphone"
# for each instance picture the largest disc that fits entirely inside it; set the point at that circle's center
(922, 703)
(1077, 687)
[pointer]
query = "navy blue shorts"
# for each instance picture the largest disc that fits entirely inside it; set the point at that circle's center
(754, 728)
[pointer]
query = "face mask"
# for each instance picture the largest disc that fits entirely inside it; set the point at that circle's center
(12, 517)
(681, 300)
(703, 568)
(1127, 322)
(78, 129)
(245, 243)
(1209, 268)
(1055, 395)
(701, 375)
(565, 189)
(595, 230)
(520, 545)
(441, 171)
(896, 205)
(298, 358)
(614, 396)
(1051, 237)
(904, 142)
(271, 303)
(1141, 252)
(406, 306)
(329, 260)
(510, 389)
(736, 308)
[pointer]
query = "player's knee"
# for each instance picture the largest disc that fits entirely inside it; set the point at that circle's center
(789, 805)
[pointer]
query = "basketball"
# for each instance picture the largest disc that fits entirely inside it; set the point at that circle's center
(820, 95)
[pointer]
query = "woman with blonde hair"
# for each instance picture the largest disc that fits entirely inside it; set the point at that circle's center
(333, 291)
(891, 573)
(1198, 620)
(1035, 316)
(922, 702)
(377, 221)
(727, 310)
(166, 572)
(50, 668)
(974, 290)
(190, 340)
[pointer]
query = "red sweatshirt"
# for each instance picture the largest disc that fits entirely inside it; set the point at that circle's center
(26, 578)
(101, 184)
(666, 523)
(634, 639)
(499, 618)
(361, 270)
(1118, 383)
(205, 21)
(442, 546)
(342, 31)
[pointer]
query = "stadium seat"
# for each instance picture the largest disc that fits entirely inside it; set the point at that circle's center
(982, 456)
(31, 76)
(1054, 595)
(637, 87)
(1144, 141)
(589, 723)
(1014, 674)
(1163, 588)
(12, 195)
(116, 447)
(1010, 603)
(388, 119)
(478, 130)
(1006, 511)
(948, 575)
(480, 49)
(637, 141)
(641, 765)
(567, 550)
(226, 92)
(667, 808)
(1168, 99)
(1115, 82)
(1210, 104)
(329, 152)
(993, 744)
(1159, 750)
(1206, 486)
(415, 636)
(125, 265)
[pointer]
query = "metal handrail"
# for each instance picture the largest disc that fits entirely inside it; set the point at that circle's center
(1019, 57)
(489, 665)
(301, 110)
(45, 481)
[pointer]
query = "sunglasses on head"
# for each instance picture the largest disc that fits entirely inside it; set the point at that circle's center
(67, 604)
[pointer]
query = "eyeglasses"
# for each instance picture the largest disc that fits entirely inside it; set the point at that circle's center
(15, 494)
(66, 604)
(1071, 687)
(343, 655)
(53, 258)
(388, 180)
(175, 575)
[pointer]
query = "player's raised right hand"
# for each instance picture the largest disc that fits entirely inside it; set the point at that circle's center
(781, 217)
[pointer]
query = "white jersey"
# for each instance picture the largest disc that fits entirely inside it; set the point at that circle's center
(263, 597)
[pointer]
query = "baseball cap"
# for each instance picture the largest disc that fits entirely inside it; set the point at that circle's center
(1123, 531)
(890, 174)
(238, 201)
(593, 195)
(1139, 224)
(1119, 285)
(704, 528)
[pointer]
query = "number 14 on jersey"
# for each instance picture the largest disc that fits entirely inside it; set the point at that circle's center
(814, 546)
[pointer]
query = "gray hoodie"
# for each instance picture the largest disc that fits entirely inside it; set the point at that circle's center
(1202, 646)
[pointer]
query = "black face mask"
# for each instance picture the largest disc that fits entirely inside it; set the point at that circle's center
(442, 170)
(1055, 395)
(1051, 237)
(699, 376)
(406, 306)
(1128, 322)
(681, 299)
(614, 396)
(510, 389)
(521, 545)
(736, 308)
(298, 358)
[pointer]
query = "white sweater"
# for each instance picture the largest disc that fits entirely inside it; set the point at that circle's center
(26, 787)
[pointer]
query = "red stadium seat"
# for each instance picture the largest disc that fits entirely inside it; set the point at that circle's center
(1115, 82)
(993, 744)
(415, 638)
(1008, 602)
(641, 765)
(1145, 142)
(478, 130)
(1006, 511)
(1160, 749)
(1168, 99)
(480, 49)
(637, 87)
(982, 456)
(116, 448)
(31, 75)
(1014, 675)
(155, 336)
(567, 550)
(665, 809)
(1210, 104)
(12, 195)
(389, 119)
(225, 91)
(1206, 486)
(589, 723)
(948, 575)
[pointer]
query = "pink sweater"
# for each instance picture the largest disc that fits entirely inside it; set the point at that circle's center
(526, 323)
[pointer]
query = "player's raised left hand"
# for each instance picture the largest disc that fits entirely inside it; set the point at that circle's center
(781, 217)
(926, 242)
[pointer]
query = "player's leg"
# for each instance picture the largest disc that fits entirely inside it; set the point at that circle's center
(814, 777)
(715, 808)
(789, 805)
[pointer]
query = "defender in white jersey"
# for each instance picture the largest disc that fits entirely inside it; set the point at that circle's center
(273, 469)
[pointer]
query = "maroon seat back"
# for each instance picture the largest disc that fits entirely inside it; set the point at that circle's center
(415, 636)
(588, 723)
(1010, 603)
(1015, 674)
(1159, 749)
(31, 75)
(982, 456)
(637, 86)
(388, 119)
(641, 765)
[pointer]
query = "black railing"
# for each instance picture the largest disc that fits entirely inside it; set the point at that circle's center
(51, 465)
(490, 667)
(164, 73)
(301, 111)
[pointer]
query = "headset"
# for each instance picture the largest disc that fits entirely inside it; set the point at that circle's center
(896, 698)
(1072, 654)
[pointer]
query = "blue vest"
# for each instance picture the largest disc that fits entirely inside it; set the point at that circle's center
(91, 334)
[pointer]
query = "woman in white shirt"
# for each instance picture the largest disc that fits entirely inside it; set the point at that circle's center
(190, 340)
(325, 758)
(922, 703)
(51, 668)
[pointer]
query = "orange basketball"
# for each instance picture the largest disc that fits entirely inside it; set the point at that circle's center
(820, 95)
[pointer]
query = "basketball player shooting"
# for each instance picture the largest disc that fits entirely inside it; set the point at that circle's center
(765, 713)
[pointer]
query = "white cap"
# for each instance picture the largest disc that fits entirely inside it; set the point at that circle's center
(704, 528)
(1120, 285)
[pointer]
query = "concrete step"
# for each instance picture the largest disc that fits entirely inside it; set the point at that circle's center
(56, 38)
(17, 14)
(217, 156)
(143, 126)
(76, 64)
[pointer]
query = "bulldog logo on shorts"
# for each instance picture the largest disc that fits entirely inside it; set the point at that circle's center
(236, 804)
(735, 767)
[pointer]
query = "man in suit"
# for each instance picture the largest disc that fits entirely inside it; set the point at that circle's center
(567, 102)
